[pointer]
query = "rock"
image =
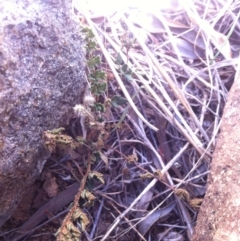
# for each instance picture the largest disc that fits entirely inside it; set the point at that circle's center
(218, 219)
(41, 79)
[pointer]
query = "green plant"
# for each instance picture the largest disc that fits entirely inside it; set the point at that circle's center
(95, 133)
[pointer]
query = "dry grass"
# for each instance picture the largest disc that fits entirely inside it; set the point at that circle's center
(183, 64)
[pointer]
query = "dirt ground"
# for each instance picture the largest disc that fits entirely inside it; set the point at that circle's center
(33, 199)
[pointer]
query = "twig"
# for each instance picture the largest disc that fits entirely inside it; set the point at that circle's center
(76, 200)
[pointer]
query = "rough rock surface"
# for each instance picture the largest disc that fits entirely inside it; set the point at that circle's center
(219, 216)
(41, 79)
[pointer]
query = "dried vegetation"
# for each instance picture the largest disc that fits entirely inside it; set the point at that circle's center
(143, 138)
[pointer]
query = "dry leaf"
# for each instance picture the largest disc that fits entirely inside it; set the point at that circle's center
(147, 21)
(144, 202)
(170, 236)
(187, 50)
(219, 40)
(104, 158)
(50, 187)
(149, 221)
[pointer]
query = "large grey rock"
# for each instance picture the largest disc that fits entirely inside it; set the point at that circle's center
(41, 79)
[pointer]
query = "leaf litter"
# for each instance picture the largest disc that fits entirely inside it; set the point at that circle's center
(168, 75)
